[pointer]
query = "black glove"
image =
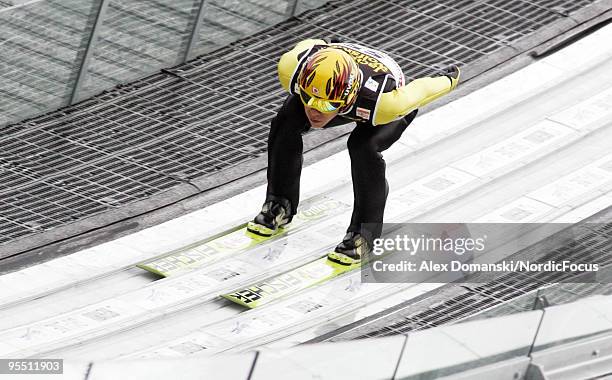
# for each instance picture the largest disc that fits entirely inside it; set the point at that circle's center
(453, 73)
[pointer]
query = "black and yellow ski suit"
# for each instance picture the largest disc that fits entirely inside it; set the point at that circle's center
(385, 106)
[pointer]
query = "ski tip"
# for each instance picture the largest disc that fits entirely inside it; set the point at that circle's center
(151, 270)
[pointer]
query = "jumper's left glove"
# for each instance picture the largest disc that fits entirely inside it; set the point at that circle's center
(453, 73)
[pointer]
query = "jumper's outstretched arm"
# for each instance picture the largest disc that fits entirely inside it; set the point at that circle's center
(403, 100)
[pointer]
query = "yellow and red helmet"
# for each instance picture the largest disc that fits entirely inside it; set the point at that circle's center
(329, 81)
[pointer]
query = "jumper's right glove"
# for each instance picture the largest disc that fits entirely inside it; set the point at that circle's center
(453, 73)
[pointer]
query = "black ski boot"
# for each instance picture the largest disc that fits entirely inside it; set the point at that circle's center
(273, 215)
(350, 251)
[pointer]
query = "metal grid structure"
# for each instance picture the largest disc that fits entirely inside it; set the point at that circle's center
(512, 293)
(212, 113)
(58, 52)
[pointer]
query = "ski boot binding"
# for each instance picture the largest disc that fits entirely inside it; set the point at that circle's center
(351, 250)
(273, 215)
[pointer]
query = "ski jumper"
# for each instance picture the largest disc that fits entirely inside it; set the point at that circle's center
(384, 107)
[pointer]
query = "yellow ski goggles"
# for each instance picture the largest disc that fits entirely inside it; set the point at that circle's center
(321, 105)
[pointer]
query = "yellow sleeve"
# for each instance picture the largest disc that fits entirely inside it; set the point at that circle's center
(288, 61)
(403, 100)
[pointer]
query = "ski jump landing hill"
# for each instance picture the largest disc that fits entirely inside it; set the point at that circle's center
(534, 146)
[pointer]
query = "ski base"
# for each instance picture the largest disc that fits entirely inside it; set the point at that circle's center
(305, 276)
(238, 240)
(233, 242)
